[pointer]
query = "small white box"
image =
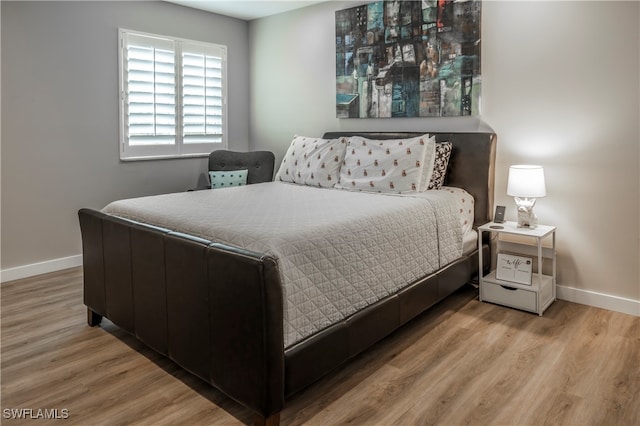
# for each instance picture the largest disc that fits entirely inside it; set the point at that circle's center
(516, 269)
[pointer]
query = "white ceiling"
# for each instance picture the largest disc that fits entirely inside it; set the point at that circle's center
(246, 9)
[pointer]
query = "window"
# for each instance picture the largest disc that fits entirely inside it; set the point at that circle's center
(173, 96)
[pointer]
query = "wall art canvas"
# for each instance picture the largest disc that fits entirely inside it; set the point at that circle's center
(408, 59)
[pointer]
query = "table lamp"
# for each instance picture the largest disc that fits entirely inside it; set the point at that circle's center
(526, 183)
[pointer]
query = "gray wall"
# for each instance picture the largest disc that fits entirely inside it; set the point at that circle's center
(60, 116)
(560, 88)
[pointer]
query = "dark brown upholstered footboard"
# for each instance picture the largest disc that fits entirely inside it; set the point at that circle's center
(217, 310)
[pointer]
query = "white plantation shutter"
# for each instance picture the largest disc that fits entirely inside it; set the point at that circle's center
(150, 90)
(173, 96)
(202, 93)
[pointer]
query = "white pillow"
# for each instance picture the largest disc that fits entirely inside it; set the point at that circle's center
(392, 165)
(313, 161)
(466, 206)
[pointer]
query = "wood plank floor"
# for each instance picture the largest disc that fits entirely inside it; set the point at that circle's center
(461, 363)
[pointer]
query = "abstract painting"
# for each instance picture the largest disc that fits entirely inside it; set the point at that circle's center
(408, 59)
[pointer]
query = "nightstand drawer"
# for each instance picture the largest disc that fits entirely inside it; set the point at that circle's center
(514, 297)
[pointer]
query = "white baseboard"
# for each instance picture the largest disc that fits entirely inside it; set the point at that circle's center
(33, 269)
(599, 300)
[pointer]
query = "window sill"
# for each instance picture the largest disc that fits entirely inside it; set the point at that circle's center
(163, 157)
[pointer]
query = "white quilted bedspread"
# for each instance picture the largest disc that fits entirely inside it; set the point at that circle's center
(338, 251)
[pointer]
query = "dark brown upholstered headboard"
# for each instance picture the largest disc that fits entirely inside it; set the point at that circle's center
(471, 165)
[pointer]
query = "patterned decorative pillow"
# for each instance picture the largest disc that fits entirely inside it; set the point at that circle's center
(443, 153)
(393, 165)
(313, 161)
(225, 179)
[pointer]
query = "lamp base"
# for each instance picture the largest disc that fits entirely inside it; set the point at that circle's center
(526, 217)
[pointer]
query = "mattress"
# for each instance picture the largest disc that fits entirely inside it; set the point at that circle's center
(337, 251)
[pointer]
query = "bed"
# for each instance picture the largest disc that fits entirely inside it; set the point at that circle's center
(240, 297)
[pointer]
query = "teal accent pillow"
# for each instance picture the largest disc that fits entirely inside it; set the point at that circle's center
(225, 179)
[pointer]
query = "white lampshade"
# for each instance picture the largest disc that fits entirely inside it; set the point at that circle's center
(526, 181)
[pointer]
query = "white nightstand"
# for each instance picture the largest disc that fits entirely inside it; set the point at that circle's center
(542, 292)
